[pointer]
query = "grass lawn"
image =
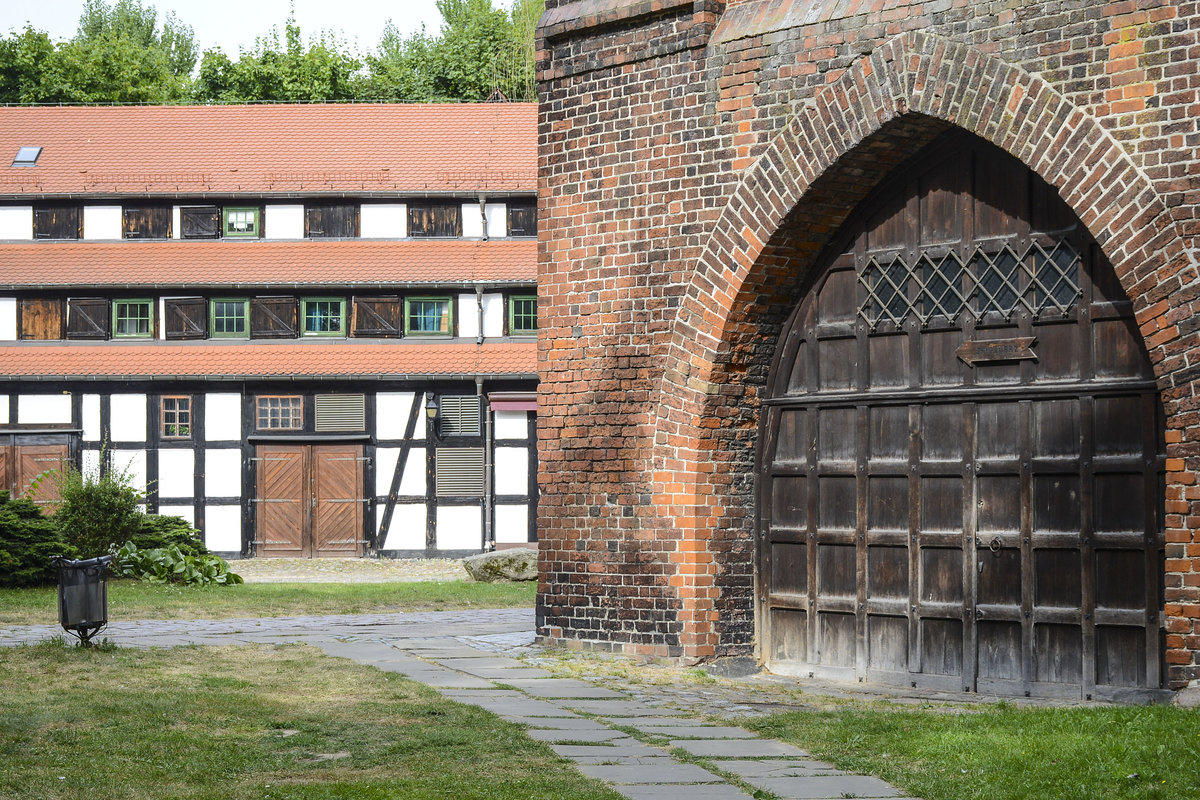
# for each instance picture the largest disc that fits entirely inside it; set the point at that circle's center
(252, 722)
(128, 600)
(1000, 752)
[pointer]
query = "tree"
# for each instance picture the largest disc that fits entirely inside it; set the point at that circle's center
(27, 66)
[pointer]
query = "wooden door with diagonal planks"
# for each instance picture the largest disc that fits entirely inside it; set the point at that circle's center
(309, 500)
(282, 501)
(337, 486)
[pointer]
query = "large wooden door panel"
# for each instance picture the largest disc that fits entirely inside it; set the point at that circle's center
(37, 471)
(282, 503)
(338, 493)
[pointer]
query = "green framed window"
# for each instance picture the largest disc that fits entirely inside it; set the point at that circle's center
(522, 315)
(176, 417)
(133, 319)
(229, 318)
(428, 316)
(241, 221)
(324, 316)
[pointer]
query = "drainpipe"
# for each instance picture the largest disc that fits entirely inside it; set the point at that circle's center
(489, 535)
(483, 213)
(479, 314)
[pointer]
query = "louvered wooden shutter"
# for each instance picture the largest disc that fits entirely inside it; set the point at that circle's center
(522, 219)
(273, 317)
(434, 219)
(459, 471)
(41, 318)
(87, 318)
(185, 317)
(376, 316)
(459, 415)
(146, 222)
(56, 222)
(200, 222)
(331, 221)
(340, 412)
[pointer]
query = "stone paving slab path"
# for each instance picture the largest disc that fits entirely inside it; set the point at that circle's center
(475, 657)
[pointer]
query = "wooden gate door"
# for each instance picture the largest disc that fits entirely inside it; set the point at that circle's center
(309, 501)
(22, 465)
(962, 453)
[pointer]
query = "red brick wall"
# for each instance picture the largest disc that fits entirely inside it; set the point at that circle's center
(696, 156)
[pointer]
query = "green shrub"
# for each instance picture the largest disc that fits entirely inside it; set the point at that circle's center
(97, 512)
(171, 565)
(28, 544)
(156, 531)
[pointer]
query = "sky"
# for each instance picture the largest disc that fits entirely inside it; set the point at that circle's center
(230, 24)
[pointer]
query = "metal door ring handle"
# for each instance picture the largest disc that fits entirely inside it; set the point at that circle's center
(994, 546)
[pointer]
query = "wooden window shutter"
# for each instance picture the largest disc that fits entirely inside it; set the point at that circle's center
(458, 415)
(57, 222)
(185, 317)
(41, 318)
(459, 471)
(146, 222)
(200, 222)
(376, 316)
(340, 412)
(522, 218)
(331, 221)
(87, 318)
(274, 317)
(435, 219)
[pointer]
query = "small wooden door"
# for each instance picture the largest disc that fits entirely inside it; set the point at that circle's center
(24, 465)
(309, 500)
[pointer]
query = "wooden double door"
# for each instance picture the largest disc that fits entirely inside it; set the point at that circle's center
(962, 452)
(309, 500)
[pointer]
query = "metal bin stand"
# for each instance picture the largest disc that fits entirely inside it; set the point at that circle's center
(83, 596)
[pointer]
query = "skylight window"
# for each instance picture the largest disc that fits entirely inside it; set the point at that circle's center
(27, 156)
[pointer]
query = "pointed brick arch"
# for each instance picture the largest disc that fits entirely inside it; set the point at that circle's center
(908, 89)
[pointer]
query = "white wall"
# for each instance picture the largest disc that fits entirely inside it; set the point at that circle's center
(511, 425)
(127, 417)
(43, 409)
(91, 418)
(187, 512)
(223, 528)
(176, 472)
(407, 531)
(283, 221)
(412, 482)
(459, 528)
(223, 473)
(493, 315)
(102, 222)
(468, 316)
(4, 409)
(497, 220)
(176, 224)
(222, 417)
(91, 463)
(133, 464)
(472, 222)
(383, 220)
(512, 470)
(391, 414)
(8, 319)
(512, 524)
(16, 222)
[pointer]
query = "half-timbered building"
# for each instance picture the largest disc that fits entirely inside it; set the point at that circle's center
(307, 329)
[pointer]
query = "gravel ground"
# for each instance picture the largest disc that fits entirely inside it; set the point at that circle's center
(347, 570)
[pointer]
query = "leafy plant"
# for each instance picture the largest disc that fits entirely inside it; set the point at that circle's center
(28, 544)
(171, 565)
(156, 531)
(97, 511)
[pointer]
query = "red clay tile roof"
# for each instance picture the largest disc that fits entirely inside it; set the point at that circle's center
(160, 150)
(115, 361)
(233, 263)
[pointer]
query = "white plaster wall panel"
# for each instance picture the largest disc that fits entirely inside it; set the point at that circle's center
(385, 467)
(472, 221)
(43, 409)
(493, 315)
(383, 220)
(283, 221)
(391, 414)
(468, 316)
(16, 222)
(8, 319)
(187, 512)
(412, 482)
(512, 470)
(91, 463)
(407, 531)
(223, 528)
(127, 417)
(176, 225)
(91, 418)
(4, 409)
(223, 473)
(131, 463)
(511, 425)
(176, 472)
(222, 417)
(102, 222)
(512, 524)
(497, 220)
(459, 528)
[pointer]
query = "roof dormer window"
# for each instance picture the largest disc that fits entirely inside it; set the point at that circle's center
(27, 156)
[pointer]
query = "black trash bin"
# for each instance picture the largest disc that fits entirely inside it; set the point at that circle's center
(83, 595)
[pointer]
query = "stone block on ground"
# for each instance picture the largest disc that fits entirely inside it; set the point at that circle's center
(515, 564)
